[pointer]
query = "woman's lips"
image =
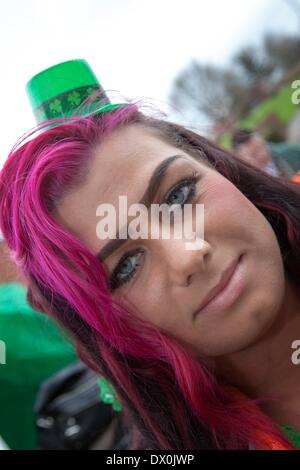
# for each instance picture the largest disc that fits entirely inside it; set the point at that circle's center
(228, 289)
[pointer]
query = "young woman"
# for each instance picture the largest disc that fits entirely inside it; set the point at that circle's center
(198, 343)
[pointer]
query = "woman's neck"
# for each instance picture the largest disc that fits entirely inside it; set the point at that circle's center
(266, 368)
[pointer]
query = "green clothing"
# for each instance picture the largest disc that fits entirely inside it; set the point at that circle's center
(34, 350)
(294, 436)
(286, 157)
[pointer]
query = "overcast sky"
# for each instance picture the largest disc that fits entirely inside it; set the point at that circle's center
(135, 47)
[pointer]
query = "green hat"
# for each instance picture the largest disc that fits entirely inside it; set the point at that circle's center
(59, 90)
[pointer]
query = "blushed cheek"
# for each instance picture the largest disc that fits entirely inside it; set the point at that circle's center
(228, 214)
(216, 188)
(223, 201)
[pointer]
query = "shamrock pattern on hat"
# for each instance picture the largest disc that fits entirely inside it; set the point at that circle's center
(66, 103)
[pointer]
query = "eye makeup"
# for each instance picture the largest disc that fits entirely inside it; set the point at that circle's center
(182, 192)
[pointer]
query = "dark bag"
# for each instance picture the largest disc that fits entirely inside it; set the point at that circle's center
(71, 415)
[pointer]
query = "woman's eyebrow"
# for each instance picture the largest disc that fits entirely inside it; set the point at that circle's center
(154, 182)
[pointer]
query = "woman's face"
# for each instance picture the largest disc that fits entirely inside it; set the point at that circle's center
(165, 282)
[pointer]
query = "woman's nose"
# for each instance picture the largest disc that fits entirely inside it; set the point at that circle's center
(183, 264)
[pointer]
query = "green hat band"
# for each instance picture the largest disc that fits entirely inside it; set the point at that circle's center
(64, 104)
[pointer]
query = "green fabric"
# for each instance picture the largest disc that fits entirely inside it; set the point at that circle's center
(293, 435)
(35, 349)
(286, 157)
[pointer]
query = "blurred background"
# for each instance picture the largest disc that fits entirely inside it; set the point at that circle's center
(207, 63)
(215, 66)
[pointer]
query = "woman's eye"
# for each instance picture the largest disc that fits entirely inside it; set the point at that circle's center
(125, 269)
(182, 193)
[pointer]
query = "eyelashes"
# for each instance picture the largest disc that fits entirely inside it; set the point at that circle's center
(186, 190)
(119, 275)
(189, 184)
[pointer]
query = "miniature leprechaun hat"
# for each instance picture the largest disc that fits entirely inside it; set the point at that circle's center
(59, 91)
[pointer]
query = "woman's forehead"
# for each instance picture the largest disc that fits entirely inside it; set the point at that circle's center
(124, 162)
(133, 144)
(121, 165)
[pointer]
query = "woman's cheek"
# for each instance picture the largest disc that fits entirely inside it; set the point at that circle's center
(229, 214)
(219, 200)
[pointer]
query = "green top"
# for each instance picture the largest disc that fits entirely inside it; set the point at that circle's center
(293, 435)
(32, 350)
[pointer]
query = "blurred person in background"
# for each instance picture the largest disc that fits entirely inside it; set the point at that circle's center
(277, 159)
